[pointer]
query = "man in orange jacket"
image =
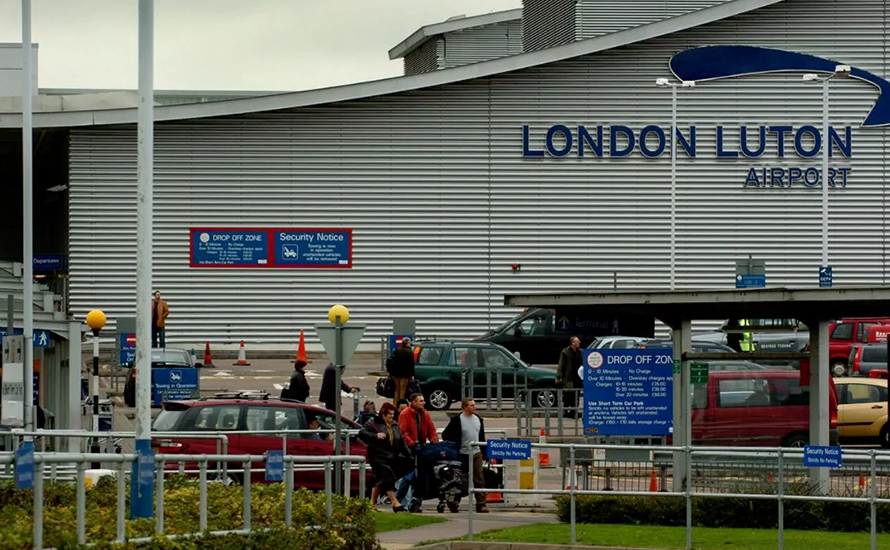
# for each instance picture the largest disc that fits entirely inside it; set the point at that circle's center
(417, 424)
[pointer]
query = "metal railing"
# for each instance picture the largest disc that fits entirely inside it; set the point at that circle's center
(787, 460)
(555, 411)
(124, 462)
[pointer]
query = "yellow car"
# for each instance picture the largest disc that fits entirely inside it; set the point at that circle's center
(862, 410)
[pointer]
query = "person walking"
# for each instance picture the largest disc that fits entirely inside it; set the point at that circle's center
(463, 430)
(159, 313)
(299, 386)
(328, 394)
(570, 360)
(385, 444)
(417, 429)
(400, 366)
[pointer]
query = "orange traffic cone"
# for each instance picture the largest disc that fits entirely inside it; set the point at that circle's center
(494, 497)
(242, 357)
(301, 349)
(653, 482)
(208, 359)
(543, 457)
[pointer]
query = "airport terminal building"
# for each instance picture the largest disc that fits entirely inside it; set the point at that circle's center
(526, 151)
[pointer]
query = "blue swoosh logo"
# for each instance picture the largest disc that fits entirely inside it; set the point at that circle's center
(716, 62)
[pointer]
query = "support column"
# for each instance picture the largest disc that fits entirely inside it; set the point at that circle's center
(682, 342)
(75, 363)
(819, 402)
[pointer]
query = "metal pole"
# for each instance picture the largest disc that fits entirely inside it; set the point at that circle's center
(781, 493)
(159, 474)
(470, 495)
(38, 504)
(328, 506)
(141, 503)
(826, 149)
(873, 505)
(288, 492)
(338, 467)
(27, 219)
(202, 495)
(247, 482)
(81, 504)
(572, 482)
(94, 389)
(673, 184)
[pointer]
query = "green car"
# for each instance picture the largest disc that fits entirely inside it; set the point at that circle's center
(440, 367)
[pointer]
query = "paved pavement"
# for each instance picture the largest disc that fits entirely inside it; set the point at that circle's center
(457, 527)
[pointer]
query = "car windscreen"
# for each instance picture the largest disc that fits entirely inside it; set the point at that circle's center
(874, 354)
(169, 358)
(430, 355)
(167, 419)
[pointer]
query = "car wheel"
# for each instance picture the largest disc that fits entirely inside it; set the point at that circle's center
(438, 399)
(796, 441)
(885, 436)
(545, 397)
(838, 368)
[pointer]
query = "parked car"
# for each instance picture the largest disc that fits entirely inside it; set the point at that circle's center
(438, 367)
(764, 408)
(845, 335)
(235, 416)
(862, 410)
(161, 358)
(538, 335)
(867, 357)
(777, 335)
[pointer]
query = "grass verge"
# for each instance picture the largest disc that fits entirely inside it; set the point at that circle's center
(703, 538)
(397, 522)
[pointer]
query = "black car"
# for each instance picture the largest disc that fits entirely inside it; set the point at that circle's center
(160, 359)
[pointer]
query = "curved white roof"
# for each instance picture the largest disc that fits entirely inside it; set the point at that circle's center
(394, 85)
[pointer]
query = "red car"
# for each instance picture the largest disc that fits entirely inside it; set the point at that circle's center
(236, 418)
(756, 408)
(844, 335)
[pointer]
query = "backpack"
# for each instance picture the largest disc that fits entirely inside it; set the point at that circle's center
(390, 363)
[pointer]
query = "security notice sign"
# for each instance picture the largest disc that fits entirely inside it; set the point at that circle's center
(628, 392)
(271, 248)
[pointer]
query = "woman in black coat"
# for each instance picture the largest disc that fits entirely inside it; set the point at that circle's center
(385, 444)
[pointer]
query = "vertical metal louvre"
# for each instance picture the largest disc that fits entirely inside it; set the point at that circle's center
(442, 202)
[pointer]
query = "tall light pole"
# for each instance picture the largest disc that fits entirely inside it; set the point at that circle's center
(141, 493)
(665, 83)
(28, 220)
(841, 71)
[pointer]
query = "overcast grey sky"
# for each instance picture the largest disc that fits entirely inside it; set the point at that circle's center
(227, 44)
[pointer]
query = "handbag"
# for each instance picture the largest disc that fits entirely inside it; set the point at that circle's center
(386, 387)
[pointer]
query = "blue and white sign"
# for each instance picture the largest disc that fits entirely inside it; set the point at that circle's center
(313, 247)
(628, 392)
(41, 337)
(826, 276)
(47, 262)
(509, 449)
(750, 281)
(145, 469)
(24, 466)
(127, 347)
(274, 465)
(174, 384)
(229, 248)
(822, 457)
(395, 340)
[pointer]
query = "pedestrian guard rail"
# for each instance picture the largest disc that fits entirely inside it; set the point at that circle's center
(865, 467)
(123, 464)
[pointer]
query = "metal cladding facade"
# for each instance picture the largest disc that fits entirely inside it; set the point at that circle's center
(442, 200)
(466, 46)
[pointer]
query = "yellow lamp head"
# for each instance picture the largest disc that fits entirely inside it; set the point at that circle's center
(96, 320)
(338, 310)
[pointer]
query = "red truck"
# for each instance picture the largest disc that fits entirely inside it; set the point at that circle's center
(846, 333)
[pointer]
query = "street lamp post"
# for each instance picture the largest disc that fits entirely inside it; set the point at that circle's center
(339, 316)
(665, 83)
(96, 322)
(840, 71)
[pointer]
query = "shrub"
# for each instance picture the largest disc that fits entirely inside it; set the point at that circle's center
(350, 526)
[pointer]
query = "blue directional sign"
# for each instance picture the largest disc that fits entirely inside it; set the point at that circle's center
(274, 465)
(41, 337)
(750, 281)
(628, 392)
(127, 347)
(47, 262)
(826, 276)
(313, 247)
(174, 384)
(24, 466)
(509, 449)
(395, 339)
(822, 457)
(229, 248)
